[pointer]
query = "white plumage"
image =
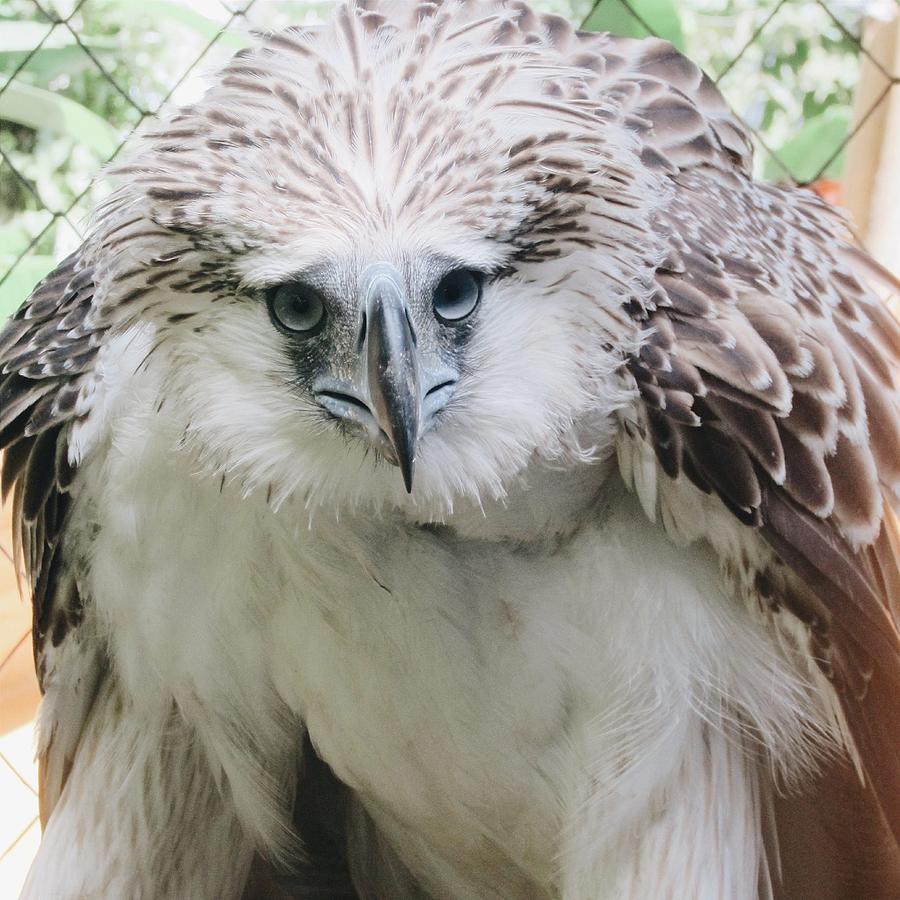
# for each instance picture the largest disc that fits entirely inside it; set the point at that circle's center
(631, 629)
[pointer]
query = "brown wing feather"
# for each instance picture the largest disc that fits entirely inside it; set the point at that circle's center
(770, 379)
(46, 360)
(669, 101)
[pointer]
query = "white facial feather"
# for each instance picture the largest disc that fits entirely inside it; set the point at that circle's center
(496, 168)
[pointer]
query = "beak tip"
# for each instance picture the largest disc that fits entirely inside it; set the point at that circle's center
(408, 477)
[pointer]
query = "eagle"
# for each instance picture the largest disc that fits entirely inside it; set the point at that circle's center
(444, 472)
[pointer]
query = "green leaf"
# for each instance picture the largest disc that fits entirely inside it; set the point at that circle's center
(771, 108)
(40, 109)
(21, 280)
(624, 17)
(59, 53)
(48, 62)
(809, 149)
(800, 56)
(23, 36)
(183, 15)
(14, 237)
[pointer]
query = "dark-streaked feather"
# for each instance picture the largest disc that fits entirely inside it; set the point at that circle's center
(791, 363)
(35, 345)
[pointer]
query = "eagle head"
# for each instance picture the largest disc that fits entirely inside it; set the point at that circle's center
(384, 261)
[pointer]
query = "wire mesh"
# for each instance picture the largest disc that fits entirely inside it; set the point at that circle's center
(843, 16)
(62, 49)
(65, 21)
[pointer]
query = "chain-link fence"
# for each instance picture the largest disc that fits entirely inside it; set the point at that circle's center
(812, 79)
(768, 48)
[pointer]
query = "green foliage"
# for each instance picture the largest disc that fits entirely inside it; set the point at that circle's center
(182, 14)
(638, 18)
(787, 69)
(42, 110)
(21, 280)
(815, 150)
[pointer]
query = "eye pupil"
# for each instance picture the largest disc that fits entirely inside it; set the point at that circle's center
(457, 295)
(297, 308)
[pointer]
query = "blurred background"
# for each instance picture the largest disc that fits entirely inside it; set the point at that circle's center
(815, 80)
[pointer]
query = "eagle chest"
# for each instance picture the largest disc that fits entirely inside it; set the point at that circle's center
(472, 692)
(477, 696)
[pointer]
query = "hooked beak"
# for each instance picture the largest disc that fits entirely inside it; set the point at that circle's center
(397, 390)
(389, 351)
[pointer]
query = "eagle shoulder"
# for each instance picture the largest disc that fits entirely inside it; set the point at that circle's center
(48, 351)
(767, 384)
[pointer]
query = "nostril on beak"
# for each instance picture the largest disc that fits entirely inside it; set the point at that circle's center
(443, 384)
(437, 397)
(347, 399)
(342, 401)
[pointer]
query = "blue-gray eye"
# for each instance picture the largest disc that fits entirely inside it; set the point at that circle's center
(457, 295)
(297, 308)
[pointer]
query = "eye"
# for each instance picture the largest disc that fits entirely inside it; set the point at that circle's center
(297, 308)
(457, 294)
